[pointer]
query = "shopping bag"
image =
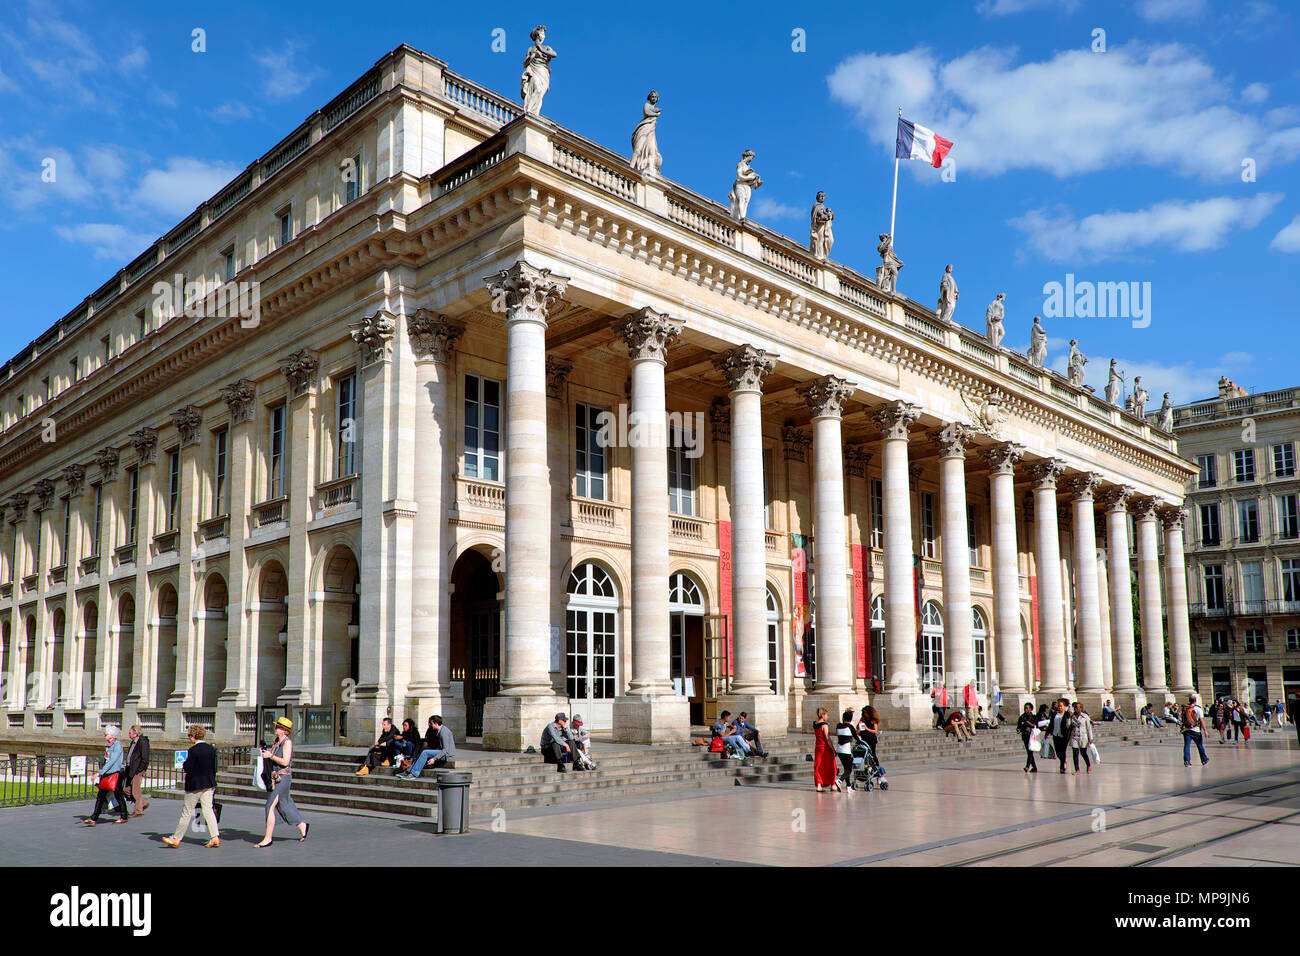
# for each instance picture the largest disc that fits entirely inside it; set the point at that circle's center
(1092, 752)
(200, 825)
(1035, 741)
(258, 763)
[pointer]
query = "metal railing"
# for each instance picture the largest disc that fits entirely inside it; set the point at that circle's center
(46, 779)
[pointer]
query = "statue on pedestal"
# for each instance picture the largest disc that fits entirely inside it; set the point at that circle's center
(993, 329)
(1140, 397)
(820, 237)
(887, 274)
(746, 181)
(1037, 353)
(645, 145)
(1114, 383)
(536, 79)
(1167, 414)
(947, 296)
(1076, 363)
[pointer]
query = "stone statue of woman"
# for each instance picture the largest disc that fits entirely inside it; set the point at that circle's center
(1167, 414)
(820, 237)
(645, 146)
(1076, 363)
(746, 181)
(537, 72)
(993, 329)
(887, 273)
(947, 296)
(1113, 384)
(1140, 397)
(1037, 353)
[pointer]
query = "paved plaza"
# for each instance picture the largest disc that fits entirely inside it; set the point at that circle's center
(1141, 806)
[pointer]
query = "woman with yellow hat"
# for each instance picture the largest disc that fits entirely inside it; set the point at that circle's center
(281, 754)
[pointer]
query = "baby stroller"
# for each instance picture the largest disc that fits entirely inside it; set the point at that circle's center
(866, 768)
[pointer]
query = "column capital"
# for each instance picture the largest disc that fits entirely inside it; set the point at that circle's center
(1045, 472)
(1171, 517)
(826, 396)
(720, 416)
(856, 459)
(1081, 487)
(557, 374)
(745, 367)
(17, 507)
(795, 442)
(525, 293)
(44, 492)
(145, 443)
(300, 370)
(648, 334)
(432, 337)
(1002, 458)
(1114, 497)
(238, 396)
(896, 418)
(952, 440)
(188, 419)
(107, 459)
(374, 337)
(1144, 507)
(75, 477)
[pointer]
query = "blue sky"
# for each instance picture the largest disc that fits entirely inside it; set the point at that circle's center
(1122, 164)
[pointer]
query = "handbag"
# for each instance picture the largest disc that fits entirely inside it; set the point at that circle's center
(1035, 741)
(259, 781)
(200, 825)
(1092, 752)
(108, 782)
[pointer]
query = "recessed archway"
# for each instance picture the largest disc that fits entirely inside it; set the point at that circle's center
(214, 632)
(340, 650)
(89, 652)
(166, 649)
(122, 676)
(475, 646)
(271, 619)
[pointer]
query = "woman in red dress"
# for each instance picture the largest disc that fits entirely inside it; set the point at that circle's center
(824, 765)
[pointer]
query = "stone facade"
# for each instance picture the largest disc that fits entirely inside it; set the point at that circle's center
(457, 461)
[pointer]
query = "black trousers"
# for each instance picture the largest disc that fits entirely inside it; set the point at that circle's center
(1086, 762)
(1029, 755)
(846, 766)
(1062, 747)
(102, 797)
(555, 753)
(378, 755)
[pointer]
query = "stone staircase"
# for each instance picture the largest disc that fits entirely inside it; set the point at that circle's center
(325, 780)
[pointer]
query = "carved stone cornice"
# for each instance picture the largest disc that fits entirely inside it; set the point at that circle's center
(525, 293)
(189, 422)
(826, 396)
(1171, 517)
(1143, 507)
(745, 367)
(856, 460)
(433, 338)
(1003, 458)
(952, 440)
(648, 334)
(300, 370)
(374, 337)
(557, 374)
(795, 441)
(44, 492)
(896, 419)
(107, 459)
(1080, 487)
(1114, 497)
(239, 396)
(1044, 473)
(17, 507)
(75, 478)
(720, 416)
(145, 443)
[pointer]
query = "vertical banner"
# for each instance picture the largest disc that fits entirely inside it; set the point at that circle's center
(724, 587)
(1033, 625)
(861, 612)
(800, 597)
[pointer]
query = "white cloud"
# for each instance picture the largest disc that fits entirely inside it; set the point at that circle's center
(1255, 93)
(1186, 226)
(106, 240)
(1159, 11)
(25, 170)
(1076, 112)
(772, 209)
(1003, 8)
(1236, 358)
(104, 163)
(229, 112)
(283, 78)
(136, 58)
(1288, 240)
(1185, 382)
(182, 185)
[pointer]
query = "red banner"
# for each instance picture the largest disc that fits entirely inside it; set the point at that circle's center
(1033, 624)
(724, 586)
(861, 612)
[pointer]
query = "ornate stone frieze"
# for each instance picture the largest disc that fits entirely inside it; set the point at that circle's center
(1114, 497)
(107, 459)
(145, 443)
(952, 440)
(720, 416)
(44, 492)
(1081, 486)
(300, 370)
(1002, 458)
(188, 421)
(1044, 473)
(648, 334)
(433, 338)
(525, 293)
(374, 337)
(17, 507)
(856, 460)
(1143, 507)
(239, 396)
(75, 478)
(557, 374)
(896, 418)
(826, 396)
(745, 367)
(795, 441)
(1171, 517)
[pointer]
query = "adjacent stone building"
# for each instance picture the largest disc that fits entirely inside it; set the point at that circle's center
(514, 428)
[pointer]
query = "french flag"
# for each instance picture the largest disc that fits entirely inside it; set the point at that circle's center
(917, 142)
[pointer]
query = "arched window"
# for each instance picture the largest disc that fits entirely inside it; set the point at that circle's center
(591, 580)
(931, 656)
(685, 605)
(773, 637)
(979, 635)
(591, 641)
(877, 621)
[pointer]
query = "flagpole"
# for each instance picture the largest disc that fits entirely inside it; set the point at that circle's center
(894, 208)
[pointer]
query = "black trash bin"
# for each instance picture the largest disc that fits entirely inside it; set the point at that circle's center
(453, 801)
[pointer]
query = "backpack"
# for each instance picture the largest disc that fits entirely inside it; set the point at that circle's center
(1189, 721)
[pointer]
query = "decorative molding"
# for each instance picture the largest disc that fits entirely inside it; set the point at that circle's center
(720, 416)
(145, 443)
(795, 441)
(1044, 473)
(188, 421)
(1003, 458)
(745, 367)
(374, 337)
(433, 338)
(239, 396)
(826, 396)
(648, 334)
(301, 369)
(44, 492)
(1082, 486)
(856, 460)
(107, 459)
(1171, 517)
(75, 478)
(896, 419)
(525, 293)
(557, 374)
(1115, 497)
(17, 507)
(952, 440)
(1143, 507)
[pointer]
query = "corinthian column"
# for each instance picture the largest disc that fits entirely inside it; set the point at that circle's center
(1006, 573)
(516, 717)
(835, 648)
(1180, 638)
(1128, 696)
(958, 646)
(1153, 644)
(744, 369)
(651, 713)
(1047, 564)
(1090, 680)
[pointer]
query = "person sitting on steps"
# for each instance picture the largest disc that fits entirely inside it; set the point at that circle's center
(956, 725)
(750, 732)
(730, 733)
(441, 751)
(384, 751)
(555, 745)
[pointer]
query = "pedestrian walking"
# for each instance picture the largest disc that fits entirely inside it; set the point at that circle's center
(137, 763)
(1060, 730)
(200, 770)
(1219, 718)
(1235, 721)
(1080, 736)
(869, 731)
(846, 735)
(278, 800)
(111, 783)
(823, 753)
(1026, 726)
(1193, 726)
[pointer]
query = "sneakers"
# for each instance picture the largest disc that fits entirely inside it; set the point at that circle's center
(363, 771)
(403, 775)
(386, 763)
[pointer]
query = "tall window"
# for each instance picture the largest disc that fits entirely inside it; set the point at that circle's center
(1252, 586)
(352, 178)
(767, 488)
(142, 324)
(64, 557)
(1254, 641)
(107, 343)
(877, 513)
(971, 541)
(878, 639)
(1218, 642)
(346, 427)
(591, 634)
(74, 369)
(931, 645)
(927, 525)
(1209, 476)
(1248, 521)
(275, 458)
(99, 520)
(220, 449)
(1290, 579)
(1288, 516)
(285, 217)
(773, 638)
(979, 634)
(482, 428)
(228, 263)
(1214, 587)
(1284, 460)
(1210, 524)
(1243, 464)
(589, 470)
(173, 488)
(133, 516)
(681, 474)
(1293, 639)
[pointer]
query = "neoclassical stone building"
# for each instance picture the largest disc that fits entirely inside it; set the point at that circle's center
(517, 428)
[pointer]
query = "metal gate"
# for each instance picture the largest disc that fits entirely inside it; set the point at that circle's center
(483, 678)
(312, 725)
(717, 664)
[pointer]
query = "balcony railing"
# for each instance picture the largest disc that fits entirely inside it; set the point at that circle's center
(59, 575)
(6, 590)
(337, 495)
(90, 565)
(124, 555)
(481, 495)
(273, 511)
(772, 541)
(1245, 609)
(166, 542)
(212, 528)
(29, 583)
(687, 529)
(596, 513)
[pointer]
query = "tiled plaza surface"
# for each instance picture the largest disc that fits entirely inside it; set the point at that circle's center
(1140, 806)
